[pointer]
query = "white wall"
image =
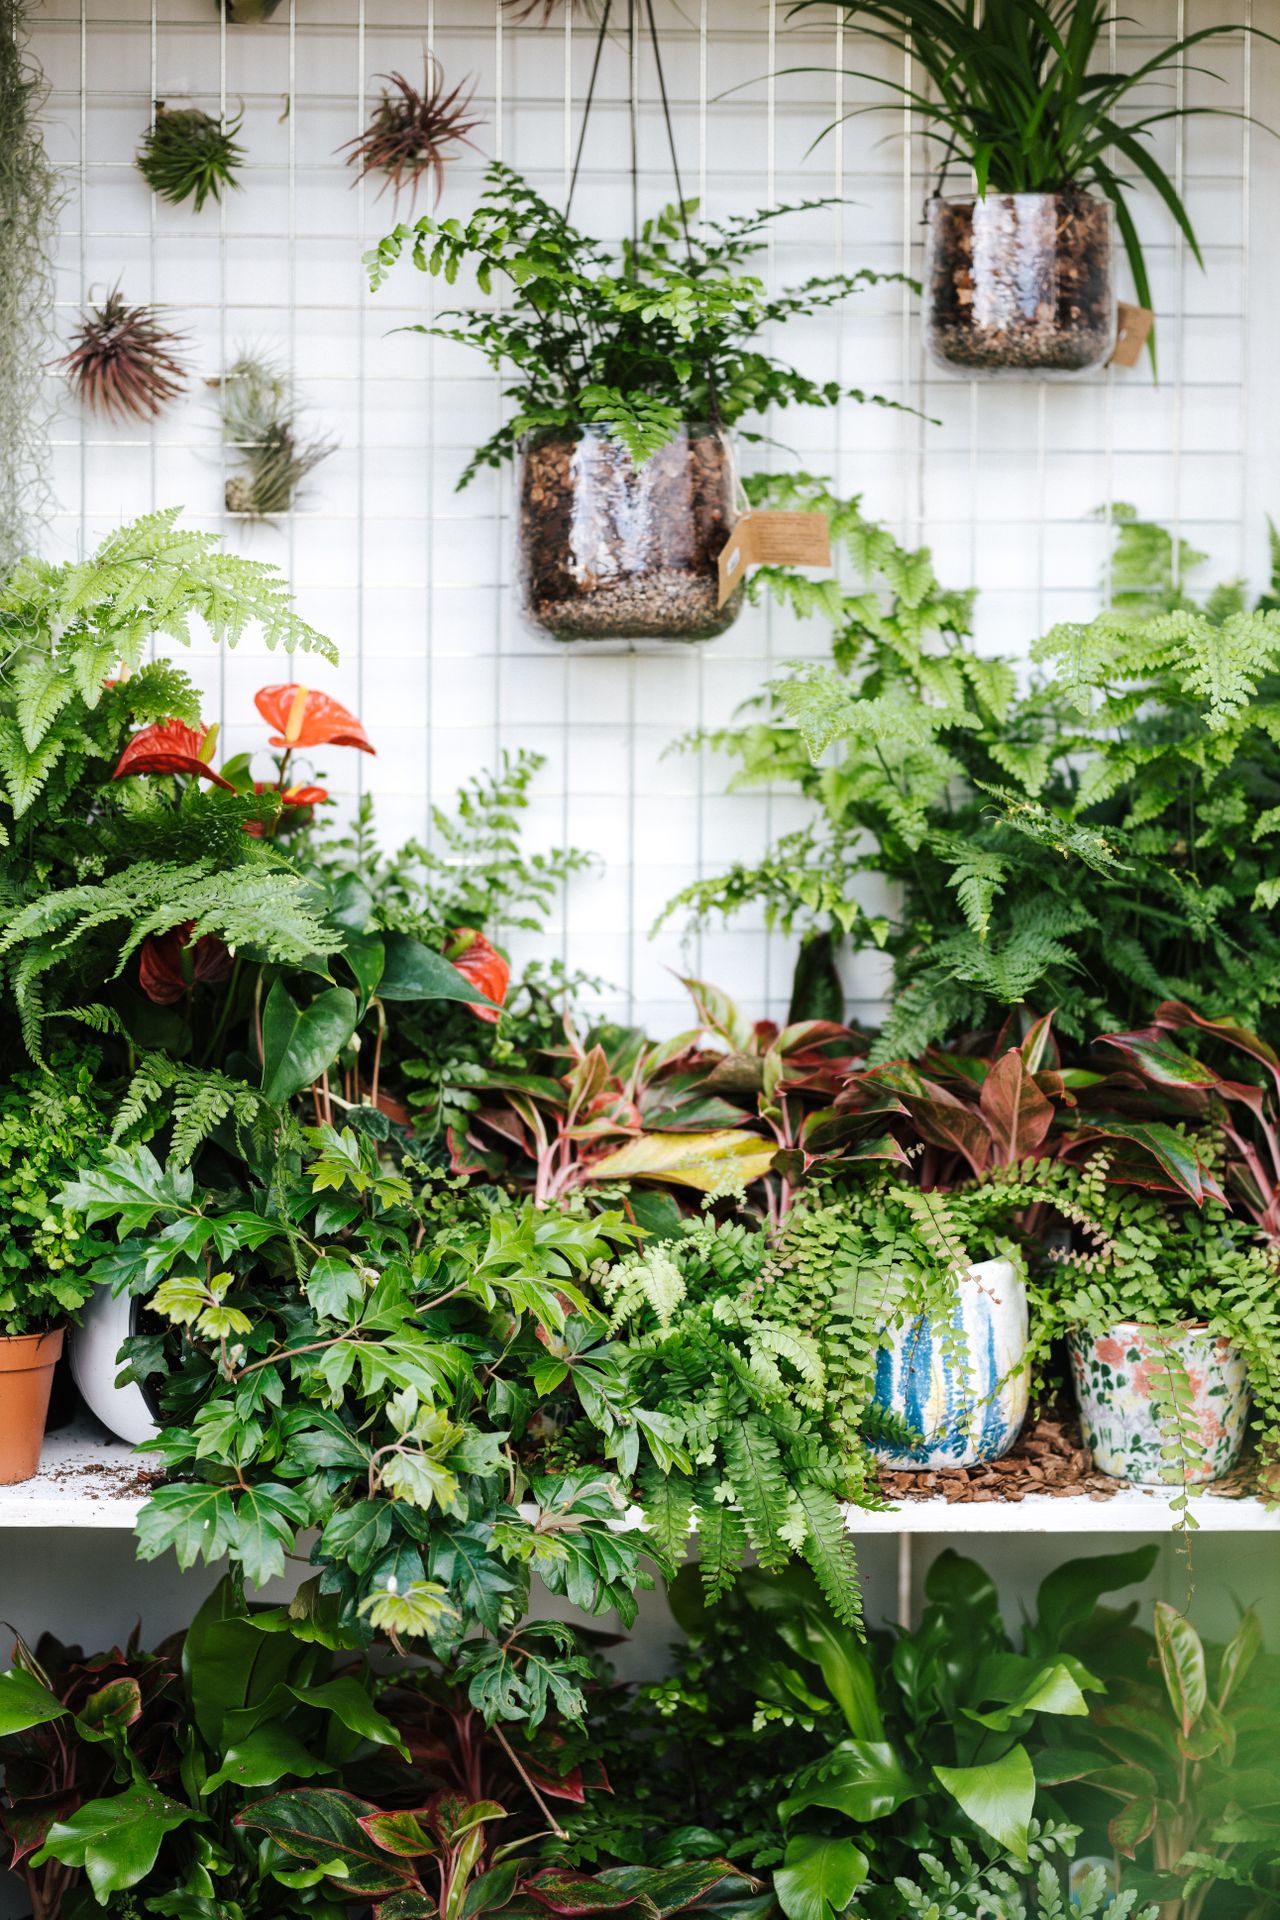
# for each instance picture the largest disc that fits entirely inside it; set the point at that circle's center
(414, 582)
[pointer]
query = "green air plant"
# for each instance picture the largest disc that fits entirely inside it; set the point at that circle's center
(1022, 94)
(188, 155)
(30, 195)
(259, 406)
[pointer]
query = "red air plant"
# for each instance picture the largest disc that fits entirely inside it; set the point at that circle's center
(483, 966)
(171, 746)
(411, 132)
(171, 964)
(121, 361)
(304, 718)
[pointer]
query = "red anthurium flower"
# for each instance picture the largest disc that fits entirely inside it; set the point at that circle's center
(304, 718)
(169, 966)
(482, 965)
(170, 746)
(289, 797)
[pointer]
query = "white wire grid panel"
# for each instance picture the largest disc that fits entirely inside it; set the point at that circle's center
(414, 581)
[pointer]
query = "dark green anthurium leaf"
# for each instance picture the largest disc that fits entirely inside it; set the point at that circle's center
(413, 971)
(1070, 1593)
(349, 1702)
(25, 1703)
(818, 1877)
(998, 1797)
(115, 1840)
(299, 1043)
(322, 1824)
(365, 954)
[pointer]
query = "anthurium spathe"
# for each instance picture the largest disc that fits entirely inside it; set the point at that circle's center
(170, 746)
(480, 962)
(171, 964)
(304, 717)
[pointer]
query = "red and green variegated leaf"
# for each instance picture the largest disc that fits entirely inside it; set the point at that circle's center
(671, 1889)
(401, 1833)
(1175, 1013)
(322, 1824)
(409, 1905)
(1170, 1154)
(1182, 1663)
(1015, 1109)
(945, 1123)
(1160, 1059)
(571, 1893)
(1039, 1049)
(1131, 1826)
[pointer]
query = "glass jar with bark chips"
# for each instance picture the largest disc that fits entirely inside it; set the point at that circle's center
(612, 549)
(1020, 283)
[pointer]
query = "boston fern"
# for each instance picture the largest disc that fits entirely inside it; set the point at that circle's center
(1100, 841)
(89, 867)
(638, 338)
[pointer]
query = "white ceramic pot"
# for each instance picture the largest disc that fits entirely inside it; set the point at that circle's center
(95, 1345)
(1121, 1419)
(967, 1413)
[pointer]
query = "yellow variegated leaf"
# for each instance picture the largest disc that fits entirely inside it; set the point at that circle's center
(699, 1160)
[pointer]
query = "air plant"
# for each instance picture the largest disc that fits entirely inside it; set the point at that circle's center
(188, 155)
(30, 195)
(260, 421)
(121, 361)
(411, 132)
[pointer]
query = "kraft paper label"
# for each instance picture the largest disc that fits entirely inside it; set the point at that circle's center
(773, 538)
(1135, 323)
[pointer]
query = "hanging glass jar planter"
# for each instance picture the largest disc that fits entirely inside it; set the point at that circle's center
(1020, 283)
(614, 551)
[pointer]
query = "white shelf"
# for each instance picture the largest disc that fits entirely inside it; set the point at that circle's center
(89, 1481)
(86, 1479)
(1132, 1510)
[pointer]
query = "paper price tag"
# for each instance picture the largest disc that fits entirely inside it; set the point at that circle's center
(773, 538)
(1135, 323)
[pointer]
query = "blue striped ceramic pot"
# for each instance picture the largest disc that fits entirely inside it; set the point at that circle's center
(966, 1395)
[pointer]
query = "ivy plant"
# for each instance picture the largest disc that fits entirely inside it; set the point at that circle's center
(639, 338)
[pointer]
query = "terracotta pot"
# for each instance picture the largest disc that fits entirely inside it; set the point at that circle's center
(965, 1397)
(1121, 1419)
(27, 1361)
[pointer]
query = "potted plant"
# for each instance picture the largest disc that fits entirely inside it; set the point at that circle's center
(51, 1123)
(1018, 274)
(627, 367)
(1172, 1318)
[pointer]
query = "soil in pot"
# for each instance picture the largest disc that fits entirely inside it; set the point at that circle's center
(27, 1361)
(610, 551)
(1020, 282)
(1117, 1377)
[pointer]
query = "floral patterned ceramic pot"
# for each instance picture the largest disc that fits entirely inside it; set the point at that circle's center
(1120, 1414)
(966, 1396)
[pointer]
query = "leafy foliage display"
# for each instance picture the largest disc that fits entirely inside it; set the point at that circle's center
(51, 1124)
(639, 339)
(1092, 844)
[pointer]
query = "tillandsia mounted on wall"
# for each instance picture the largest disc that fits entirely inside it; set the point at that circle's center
(124, 360)
(1025, 97)
(259, 405)
(625, 365)
(414, 131)
(188, 155)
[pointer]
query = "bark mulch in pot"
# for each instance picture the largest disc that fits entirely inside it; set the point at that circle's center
(1050, 1458)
